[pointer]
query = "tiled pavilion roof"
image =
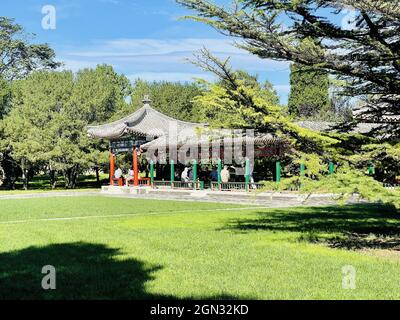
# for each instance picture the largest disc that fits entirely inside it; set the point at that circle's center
(145, 122)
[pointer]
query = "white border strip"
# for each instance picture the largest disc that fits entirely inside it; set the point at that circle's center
(130, 215)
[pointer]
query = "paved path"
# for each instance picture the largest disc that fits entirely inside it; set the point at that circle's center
(271, 202)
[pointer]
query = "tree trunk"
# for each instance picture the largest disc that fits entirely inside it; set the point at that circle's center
(67, 178)
(9, 171)
(2, 175)
(97, 176)
(53, 179)
(71, 177)
(25, 178)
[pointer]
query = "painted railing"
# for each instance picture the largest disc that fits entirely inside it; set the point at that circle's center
(243, 186)
(236, 186)
(199, 185)
(117, 182)
(161, 184)
(143, 182)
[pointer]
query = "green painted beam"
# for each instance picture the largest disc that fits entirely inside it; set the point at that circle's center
(172, 172)
(152, 173)
(278, 171)
(194, 173)
(302, 170)
(219, 173)
(371, 169)
(331, 168)
(247, 174)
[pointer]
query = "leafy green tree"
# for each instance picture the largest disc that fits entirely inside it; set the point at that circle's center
(384, 157)
(38, 101)
(218, 105)
(171, 98)
(243, 105)
(309, 94)
(366, 55)
(46, 127)
(100, 92)
(18, 57)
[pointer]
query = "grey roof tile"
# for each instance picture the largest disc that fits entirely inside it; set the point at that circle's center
(144, 122)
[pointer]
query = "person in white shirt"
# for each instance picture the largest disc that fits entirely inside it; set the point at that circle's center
(225, 175)
(185, 175)
(129, 177)
(118, 173)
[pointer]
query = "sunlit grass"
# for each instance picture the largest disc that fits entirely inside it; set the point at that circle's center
(166, 249)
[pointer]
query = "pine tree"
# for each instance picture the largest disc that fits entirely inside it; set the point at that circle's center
(18, 57)
(309, 95)
(46, 127)
(236, 102)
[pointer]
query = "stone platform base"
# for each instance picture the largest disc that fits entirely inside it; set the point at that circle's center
(289, 199)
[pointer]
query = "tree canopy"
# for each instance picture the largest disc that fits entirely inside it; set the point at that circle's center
(309, 93)
(223, 104)
(100, 93)
(18, 57)
(46, 127)
(171, 98)
(366, 57)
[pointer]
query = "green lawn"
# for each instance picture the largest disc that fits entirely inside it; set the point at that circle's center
(163, 249)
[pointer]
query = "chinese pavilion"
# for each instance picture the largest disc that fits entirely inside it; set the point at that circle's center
(147, 129)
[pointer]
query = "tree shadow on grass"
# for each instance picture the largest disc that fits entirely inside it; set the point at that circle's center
(83, 271)
(352, 226)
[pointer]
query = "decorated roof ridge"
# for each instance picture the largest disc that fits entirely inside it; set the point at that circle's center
(149, 107)
(146, 107)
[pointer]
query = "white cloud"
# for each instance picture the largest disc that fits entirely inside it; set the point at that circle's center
(140, 52)
(167, 59)
(122, 47)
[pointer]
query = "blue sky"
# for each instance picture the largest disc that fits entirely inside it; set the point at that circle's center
(139, 38)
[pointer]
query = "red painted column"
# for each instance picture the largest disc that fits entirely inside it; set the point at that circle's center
(135, 168)
(112, 169)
